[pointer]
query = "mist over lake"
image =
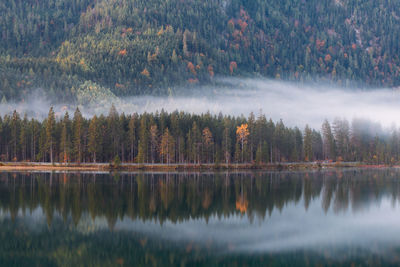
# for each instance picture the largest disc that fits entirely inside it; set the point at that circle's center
(295, 103)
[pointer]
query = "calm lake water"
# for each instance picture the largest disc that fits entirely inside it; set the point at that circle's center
(336, 217)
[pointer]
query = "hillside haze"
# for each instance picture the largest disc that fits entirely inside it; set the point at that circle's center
(85, 49)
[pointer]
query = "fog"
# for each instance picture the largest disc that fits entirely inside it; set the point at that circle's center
(295, 104)
(289, 230)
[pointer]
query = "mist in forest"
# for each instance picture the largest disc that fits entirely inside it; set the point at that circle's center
(296, 104)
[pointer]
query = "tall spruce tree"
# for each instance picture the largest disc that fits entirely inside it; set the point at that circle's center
(50, 133)
(143, 140)
(65, 142)
(94, 134)
(77, 125)
(308, 142)
(132, 136)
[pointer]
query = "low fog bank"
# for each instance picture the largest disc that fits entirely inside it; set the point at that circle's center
(291, 229)
(295, 104)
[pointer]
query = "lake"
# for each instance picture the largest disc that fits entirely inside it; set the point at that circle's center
(330, 217)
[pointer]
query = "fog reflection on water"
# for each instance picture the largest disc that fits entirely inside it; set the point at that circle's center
(321, 213)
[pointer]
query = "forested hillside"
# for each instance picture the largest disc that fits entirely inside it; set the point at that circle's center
(126, 47)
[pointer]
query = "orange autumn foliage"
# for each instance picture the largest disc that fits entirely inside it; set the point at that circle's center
(328, 58)
(242, 204)
(243, 25)
(232, 66)
(242, 132)
(193, 80)
(145, 72)
(210, 70)
(192, 68)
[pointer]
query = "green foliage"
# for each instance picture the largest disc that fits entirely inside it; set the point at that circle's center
(90, 93)
(137, 47)
(180, 137)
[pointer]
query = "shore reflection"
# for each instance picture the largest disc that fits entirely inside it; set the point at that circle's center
(181, 196)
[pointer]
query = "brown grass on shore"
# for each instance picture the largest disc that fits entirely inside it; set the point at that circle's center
(23, 166)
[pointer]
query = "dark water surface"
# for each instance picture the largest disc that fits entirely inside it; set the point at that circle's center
(340, 217)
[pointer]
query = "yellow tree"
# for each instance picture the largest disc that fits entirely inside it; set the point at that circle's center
(208, 142)
(242, 133)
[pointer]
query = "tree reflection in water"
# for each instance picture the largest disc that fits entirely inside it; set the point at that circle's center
(81, 211)
(181, 196)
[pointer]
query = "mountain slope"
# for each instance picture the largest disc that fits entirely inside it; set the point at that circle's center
(137, 46)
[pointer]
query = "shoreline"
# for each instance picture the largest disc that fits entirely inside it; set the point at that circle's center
(295, 166)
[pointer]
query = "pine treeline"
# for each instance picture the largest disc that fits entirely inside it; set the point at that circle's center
(180, 137)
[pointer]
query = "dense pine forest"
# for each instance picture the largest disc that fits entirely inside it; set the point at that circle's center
(72, 48)
(185, 138)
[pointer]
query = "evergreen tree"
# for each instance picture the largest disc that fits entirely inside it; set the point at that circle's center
(143, 141)
(308, 142)
(115, 129)
(226, 145)
(77, 125)
(65, 144)
(167, 147)
(23, 137)
(153, 142)
(94, 135)
(50, 133)
(132, 136)
(329, 150)
(15, 124)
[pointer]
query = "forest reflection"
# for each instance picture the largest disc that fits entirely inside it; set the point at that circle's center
(181, 196)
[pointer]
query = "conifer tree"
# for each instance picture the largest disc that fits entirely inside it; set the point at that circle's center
(65, 142)
(15, 121)
(195, 142)
(259, 155)
(50, 132)
(77, 125)
(132, 136)
(23, 137)
(94, 135)
(308, 142)
(143, 141)
(226, 145)
(153, 142)
(329, 149)
(115, 129)
(34, 126)
(167, 147)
